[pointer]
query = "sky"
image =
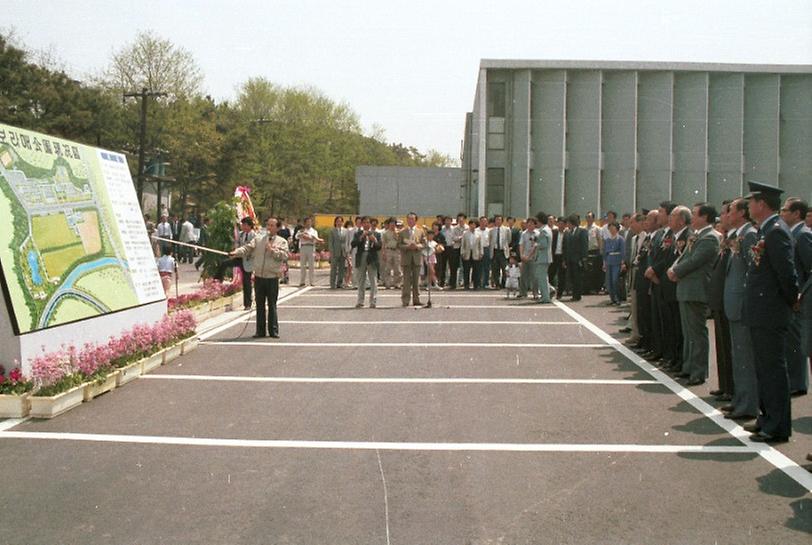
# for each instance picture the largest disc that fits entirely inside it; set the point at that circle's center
(410, 67)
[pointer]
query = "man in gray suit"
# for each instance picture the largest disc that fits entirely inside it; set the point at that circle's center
(337, 245)
(793, 213)
(544, 256)
(744, 405)
(691, 271)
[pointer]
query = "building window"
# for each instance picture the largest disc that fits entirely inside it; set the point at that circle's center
(495, 191)
(496, 99)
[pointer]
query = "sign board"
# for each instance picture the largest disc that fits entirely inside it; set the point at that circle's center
(73, 244)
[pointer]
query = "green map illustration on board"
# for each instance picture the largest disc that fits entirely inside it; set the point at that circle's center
(60, 248)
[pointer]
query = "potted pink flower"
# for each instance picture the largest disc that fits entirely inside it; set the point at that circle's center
(58, 384)
(14, 393)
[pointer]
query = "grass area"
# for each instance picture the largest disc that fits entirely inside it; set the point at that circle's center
(110, 286)
(59, 261)
(52, 231)
(70, 309)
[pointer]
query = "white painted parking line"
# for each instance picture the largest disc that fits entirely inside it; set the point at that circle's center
(10, 423)
(773, 456)
(526, 306)
(421, 322)
(241, 318)
(373, 445)
(403, 345)
(397, 380)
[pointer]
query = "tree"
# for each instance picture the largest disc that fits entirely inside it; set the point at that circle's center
(156, 64)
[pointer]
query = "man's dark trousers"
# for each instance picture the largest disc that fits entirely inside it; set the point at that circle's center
(246, 278)
(267, 292)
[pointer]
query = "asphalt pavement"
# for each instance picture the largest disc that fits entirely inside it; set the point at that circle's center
(477, 421)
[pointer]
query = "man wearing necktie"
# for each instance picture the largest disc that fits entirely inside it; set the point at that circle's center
(411, 242)
(500, 251)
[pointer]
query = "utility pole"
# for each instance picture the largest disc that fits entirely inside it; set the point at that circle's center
(143, 95)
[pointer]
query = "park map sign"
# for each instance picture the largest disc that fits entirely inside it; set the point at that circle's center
(73, 244)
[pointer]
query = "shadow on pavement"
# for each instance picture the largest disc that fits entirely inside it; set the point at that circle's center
(700, 426)
(778, 483)
(801, 519)
(803, 425)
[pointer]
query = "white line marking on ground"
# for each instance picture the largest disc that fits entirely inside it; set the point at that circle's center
(385, 495)
(374, 445)
(397, 380)
(409, 345)
(420, 322)
(773, 456)
(531, 306)
(381, 293)
(11, 422)
(240, 319)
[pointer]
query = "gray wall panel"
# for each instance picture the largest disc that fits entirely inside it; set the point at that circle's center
(548, 130)
(796, 136)
(583, 142)
(761, 105)
(517, 181)
(690, 137)
(654, 110)
(725, 134)
(619, 141)
(398, 190)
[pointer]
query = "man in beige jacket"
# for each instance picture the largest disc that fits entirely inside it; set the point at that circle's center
(268, 252)
(411, 241)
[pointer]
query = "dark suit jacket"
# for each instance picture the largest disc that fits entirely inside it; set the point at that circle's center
(803, 266)
(372, 253)
(576, 245)
(668, 251)
(642, 284)
(772, 283)
(716, 287)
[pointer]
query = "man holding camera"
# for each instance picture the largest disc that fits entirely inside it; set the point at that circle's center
(367, 242)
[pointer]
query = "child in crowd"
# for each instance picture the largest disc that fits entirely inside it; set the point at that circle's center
(166, 268)
(431, 259)
(513, 275)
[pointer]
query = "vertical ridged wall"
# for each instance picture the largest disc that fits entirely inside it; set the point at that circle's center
(590, 139)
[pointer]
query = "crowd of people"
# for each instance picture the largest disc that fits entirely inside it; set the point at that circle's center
(747, 267)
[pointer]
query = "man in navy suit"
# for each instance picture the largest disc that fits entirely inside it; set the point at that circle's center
(797, 351)
(770, 293)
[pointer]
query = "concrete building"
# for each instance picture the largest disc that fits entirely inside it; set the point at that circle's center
(574, 136)
(396, 191)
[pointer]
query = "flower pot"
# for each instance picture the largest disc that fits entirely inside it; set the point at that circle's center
(15, 406)
(217, 304)
(128, 373)
(172, 352)
(49, 407)
(95, 389)
(152, 362)
(189, 345)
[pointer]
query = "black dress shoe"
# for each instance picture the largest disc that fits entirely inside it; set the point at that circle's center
(762, 437)
(625, 330)
(257, 336)
(752, 428)
(683, 375)
(652, 357)
(797, 393)
(274, 335)
(726, 408)
(716, 392)
(724, 397)
(740, 417)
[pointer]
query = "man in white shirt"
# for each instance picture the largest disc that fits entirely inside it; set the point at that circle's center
(594, 274)
(308, 237)
(499, 242)
(485, 264)
(164, 230)
(187, 235)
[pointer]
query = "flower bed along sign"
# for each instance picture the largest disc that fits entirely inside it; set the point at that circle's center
(101, 385)
(51, 406)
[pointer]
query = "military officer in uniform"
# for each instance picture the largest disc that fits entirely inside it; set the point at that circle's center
(771, 292)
